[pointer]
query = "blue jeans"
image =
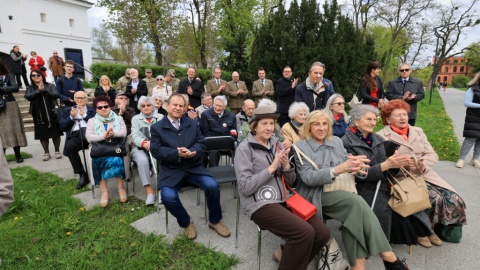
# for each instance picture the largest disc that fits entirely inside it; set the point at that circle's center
(208, 184)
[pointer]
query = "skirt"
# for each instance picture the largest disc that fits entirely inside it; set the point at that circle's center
(405, 230)
(43, 132)
(107, 167)
(448, 207)
(12, 131)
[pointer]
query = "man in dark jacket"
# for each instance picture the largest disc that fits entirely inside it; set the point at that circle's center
(192, 87)
(285, 94)
(74, 122)
(314, 91)
(179, 145)
(68, 84)
(122, 109)
(18, 67)
(407, 88)
(135, 89)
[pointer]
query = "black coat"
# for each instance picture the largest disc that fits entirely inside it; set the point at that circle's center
(163, 146)
(305, 94)
(66, 123)
(142, 90)
(471, 128)
(18, 62)
(8, 87)
(285, 94)
(111, 93)
(396, 89)
(197, 90)
(42, 103)
(365, 92)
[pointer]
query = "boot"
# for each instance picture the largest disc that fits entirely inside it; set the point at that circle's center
(18, 156)
(396, 265)
(83, 181)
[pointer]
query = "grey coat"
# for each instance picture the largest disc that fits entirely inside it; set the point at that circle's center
(366, 187)
(396, 89)
(141, 129)
(326, 156)
(256, 186)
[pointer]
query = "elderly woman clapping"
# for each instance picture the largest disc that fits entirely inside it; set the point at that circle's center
(361, 140)
(106, 125)
(141, 124)
(260, 164)
(361, 233)
(297, 112)
(335, 109)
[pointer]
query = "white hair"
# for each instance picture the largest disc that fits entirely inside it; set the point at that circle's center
(144, 99)
(158, 95)
(295, 108)
(221, 98)
(267, 102)
(328, 111)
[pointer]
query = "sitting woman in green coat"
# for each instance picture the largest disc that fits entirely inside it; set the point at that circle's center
(361, 234)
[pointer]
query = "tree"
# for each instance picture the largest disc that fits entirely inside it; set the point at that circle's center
(472, 53)
(101, 42)
(361, 13)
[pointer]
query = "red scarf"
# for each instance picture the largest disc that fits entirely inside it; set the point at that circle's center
(337, 117)
(401, 131)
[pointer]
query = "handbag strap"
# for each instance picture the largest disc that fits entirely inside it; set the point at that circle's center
(300, 154)
(285, 185)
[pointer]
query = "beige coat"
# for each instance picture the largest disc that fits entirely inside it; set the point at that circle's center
(212, 87)
(257, 90)
(6, 183)
(419, 146)
(236, 100)
(289, 133)
(57, 70)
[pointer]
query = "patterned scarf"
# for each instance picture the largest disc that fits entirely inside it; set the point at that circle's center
(100, 121)
(58, 61)
(359, 134)
(401, 131)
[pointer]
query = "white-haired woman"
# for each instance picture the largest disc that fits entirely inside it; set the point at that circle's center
(298, 113)
(335, 109)
(162, 88)
(158, 104)
(141, 124)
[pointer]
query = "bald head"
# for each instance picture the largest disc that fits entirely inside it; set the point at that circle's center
(235, 76)
(248, 107)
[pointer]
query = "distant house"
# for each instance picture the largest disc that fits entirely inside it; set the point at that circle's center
(47, 25)
(454, 66)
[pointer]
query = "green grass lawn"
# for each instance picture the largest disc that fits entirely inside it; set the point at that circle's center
(437, 125)
(46, 228)
(11, 157)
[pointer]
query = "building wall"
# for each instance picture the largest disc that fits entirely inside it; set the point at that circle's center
(64, 25)
(454, 66)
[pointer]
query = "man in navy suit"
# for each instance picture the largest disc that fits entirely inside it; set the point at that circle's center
(74, 122)
(193, 87)
(178, 144)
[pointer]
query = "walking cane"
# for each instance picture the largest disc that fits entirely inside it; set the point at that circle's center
(376, 193)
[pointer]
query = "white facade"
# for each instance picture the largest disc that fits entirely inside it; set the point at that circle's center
(44, 26)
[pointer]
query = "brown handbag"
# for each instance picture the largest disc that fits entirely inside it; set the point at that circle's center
(410, 195)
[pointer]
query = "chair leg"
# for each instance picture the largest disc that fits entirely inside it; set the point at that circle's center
(93, 191)
(259, 246)
(237, 221)
(159, 201)
(166, 219)
(198, 197)
(205, 210)
(410, 249)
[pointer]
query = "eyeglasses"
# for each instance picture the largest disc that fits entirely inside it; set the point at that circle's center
(146, 105)
(103, 107)
(404, 70)
(339, 103)
(158, 99)
(123, 98)
(69, 66)
(36, 75)
(80, 98)
(55, 53)
(159, 79)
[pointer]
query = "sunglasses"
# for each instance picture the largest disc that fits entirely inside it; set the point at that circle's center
(159, 79)
(36, 75)
(103, 107)
(339, 103)
(146, 105)
(404, 70)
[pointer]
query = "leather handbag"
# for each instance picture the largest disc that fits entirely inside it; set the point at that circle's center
(355, 101)
(3, 103)
(43, 68)
(299, 206)
(57, 112)
(410, 195)
(113, 147)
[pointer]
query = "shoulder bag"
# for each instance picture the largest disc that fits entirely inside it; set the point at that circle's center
(410, 195)
(299, 206)
(113, 147)
(331, 257)
(344, 181)
(355, 101)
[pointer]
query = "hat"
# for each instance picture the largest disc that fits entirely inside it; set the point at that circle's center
(127, 70)
(121, 94)
(148, 70)
(262, 112)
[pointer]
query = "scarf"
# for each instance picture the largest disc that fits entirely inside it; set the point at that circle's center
(337, 117)
(100, 121)
(359, 134)
(58, 61)
(401, 131)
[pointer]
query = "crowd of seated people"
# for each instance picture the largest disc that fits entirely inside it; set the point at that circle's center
(316, 122)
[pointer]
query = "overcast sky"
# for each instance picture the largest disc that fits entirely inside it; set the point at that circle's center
(96, 15)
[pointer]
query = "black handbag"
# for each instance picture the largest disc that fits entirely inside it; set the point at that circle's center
(113, 147)
(3, 103)
(43, 68)
(57, 112)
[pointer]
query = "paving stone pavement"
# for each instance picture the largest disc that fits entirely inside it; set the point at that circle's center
(466, 181)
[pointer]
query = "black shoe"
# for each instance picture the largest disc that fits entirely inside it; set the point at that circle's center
(19, 159)
(396, 265)
(83, 181)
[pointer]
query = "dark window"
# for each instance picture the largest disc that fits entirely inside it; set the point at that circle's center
(454, 69)
(462, 69)
(446, 69)
(455, 61)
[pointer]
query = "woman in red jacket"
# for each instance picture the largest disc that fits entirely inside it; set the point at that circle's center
(37, 63)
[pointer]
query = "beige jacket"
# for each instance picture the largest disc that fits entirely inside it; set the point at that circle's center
(257, 90)
(212, 87)
(236, 100)
(289, 133)
(6, 184)
(419, 146)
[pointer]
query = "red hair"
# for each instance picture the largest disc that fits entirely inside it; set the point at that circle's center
(392, 105)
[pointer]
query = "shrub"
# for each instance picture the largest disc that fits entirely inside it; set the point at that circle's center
(460, 81)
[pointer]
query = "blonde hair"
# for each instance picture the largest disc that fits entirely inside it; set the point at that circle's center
(474, 80)
(314, 117)
(106, 77)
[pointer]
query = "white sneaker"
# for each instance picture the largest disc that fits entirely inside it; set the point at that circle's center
(475, 163)
(150, 199)
(460, 163)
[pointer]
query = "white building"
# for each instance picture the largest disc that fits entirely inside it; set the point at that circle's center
(47, 25)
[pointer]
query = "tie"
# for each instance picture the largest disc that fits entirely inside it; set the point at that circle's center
(218, 82)
(236, 84)
(263, 83)
(404, 81)
(176, 124)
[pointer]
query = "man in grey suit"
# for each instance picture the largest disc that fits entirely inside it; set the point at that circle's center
(262, 88)
(407, 88)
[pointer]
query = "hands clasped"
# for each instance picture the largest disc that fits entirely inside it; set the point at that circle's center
(183, 152)
(354, 165)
